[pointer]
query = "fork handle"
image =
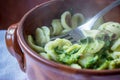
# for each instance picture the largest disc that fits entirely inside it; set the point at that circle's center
(91, 22)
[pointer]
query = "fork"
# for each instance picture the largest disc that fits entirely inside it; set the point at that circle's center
(77, 33)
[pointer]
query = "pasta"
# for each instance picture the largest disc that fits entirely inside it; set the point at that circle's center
(42, 35)
(70, 22)
(99, 50)
(112, 27)
(60, 44)
(57, 27)
(77, 20)
(33, 45)
(65, 20)
(116, 45)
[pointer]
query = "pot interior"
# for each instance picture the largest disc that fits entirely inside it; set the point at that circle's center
(43, 14)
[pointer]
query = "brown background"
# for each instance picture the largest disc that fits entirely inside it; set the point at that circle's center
(11, 11)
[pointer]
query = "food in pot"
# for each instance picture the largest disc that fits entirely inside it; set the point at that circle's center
(100, 49)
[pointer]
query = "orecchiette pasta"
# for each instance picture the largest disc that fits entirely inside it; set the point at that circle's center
(77, 20)
(60, 44)
(33, 45)
(116, 45)
(57, 27)
(112, 27)
(66, 20)
(99, 50)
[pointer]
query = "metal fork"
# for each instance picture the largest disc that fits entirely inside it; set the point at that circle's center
(77, 33)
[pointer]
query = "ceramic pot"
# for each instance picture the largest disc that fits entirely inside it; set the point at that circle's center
(38, 68)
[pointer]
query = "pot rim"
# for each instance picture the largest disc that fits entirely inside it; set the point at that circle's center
(50, 63)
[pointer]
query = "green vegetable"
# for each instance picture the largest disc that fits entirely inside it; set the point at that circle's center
(104, 65)
(114, 64)
(90, 63)
(70, 56)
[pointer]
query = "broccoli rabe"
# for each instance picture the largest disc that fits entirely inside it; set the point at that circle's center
(114, 64)
(70, 55)
(91, 62)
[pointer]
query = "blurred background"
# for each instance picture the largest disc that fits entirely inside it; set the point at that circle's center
(11, 11)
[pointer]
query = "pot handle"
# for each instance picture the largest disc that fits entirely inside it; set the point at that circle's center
(13, 46)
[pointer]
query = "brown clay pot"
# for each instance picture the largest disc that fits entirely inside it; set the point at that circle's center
(38, 68)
